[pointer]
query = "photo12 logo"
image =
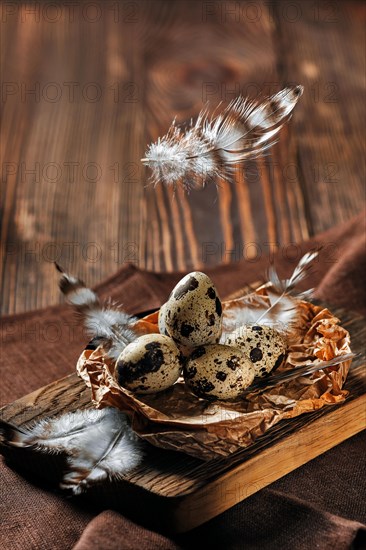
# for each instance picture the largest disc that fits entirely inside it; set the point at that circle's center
(70, 11)
(72, 172)
(324, 11)
(69, 92)
(253, 252)
(73, 252)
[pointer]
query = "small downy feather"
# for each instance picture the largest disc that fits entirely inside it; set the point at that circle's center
(281, 312)
(99, 444)
(212, 146)
(283, 305)
(108, 324)
(299, 273)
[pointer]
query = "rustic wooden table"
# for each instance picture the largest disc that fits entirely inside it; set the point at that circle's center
(85, 87)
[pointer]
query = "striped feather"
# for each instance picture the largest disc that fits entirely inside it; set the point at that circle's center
(212, 146)
(107, 324)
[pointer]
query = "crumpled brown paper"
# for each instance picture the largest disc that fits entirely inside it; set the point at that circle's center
(176, 419)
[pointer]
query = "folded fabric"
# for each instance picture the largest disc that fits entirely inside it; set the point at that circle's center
(109, 531)
(298, 511)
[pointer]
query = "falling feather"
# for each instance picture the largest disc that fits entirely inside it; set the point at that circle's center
(99, 444)
(212, 146)
(109, 325)
(279, 308)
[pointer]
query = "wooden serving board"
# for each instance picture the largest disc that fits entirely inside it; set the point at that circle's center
(174, 492)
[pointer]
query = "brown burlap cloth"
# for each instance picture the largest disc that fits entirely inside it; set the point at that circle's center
(320, 505)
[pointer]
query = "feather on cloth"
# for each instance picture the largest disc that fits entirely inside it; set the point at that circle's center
(108, 324)
(212, 146)
(99, 444)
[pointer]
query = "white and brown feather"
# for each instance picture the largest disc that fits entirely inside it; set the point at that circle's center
(279, 308)
(76, 292)
(99, 444)
(107, 324)
(212, 146)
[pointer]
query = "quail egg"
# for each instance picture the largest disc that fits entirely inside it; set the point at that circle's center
(264, 346)
(149, 364)
(161, 320)
(217, 371)
(193, 314)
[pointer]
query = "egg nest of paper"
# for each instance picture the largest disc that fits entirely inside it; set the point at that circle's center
(178, 420)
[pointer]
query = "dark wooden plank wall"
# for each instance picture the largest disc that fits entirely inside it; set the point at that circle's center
(107, 80)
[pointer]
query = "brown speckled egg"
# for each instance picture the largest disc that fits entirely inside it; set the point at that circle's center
(150, 364)
(265, 347)
(161, 321)
(218, 372)
(193, 313)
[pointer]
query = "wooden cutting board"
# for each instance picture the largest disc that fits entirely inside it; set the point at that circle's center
(173, 492)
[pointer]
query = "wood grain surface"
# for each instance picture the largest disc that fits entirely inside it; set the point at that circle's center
(85, 88)
(184, 491)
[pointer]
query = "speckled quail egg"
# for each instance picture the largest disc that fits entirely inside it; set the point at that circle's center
(150, 364)
(264, 346)
(161, 321)
(217, 371)
(193, 313)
